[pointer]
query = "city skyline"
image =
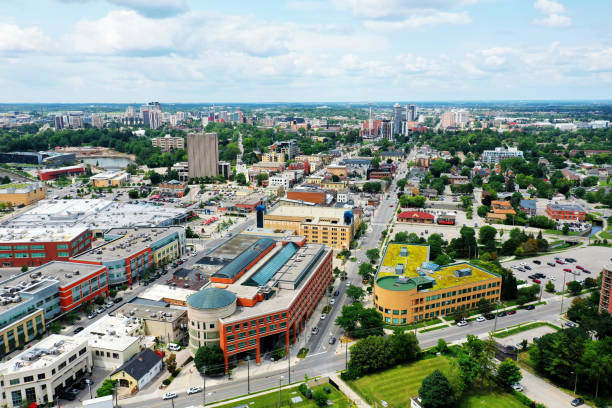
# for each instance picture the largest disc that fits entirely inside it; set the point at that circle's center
(304, 51)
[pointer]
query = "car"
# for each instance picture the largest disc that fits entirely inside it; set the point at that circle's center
(462, 323)
(579, 267)
(194, 390)
(109, 304)
(552, 278)
(391, 205)
(78, 330)
(535, 261)
(314, 331)
(348, 284)
(560, 262)
(501, 314)
(92, 315)
(567, 270)
(489, 316)
(586, 271)
(511, 349)
(332, 301)
(520, 268)
(100, 310)
(169, 395)
(523, 263)
(527, 267)
(332, 340)
(517, 387)
(323, 316)
(570, 260)
(577, 402)
(551, 264)
(174, 347)
(571, 324)
(480, 319)
(536, 281)
(530, 307)
(511, 312)
(70, 394)
(336, 293)
(118, 299)
(80, 385)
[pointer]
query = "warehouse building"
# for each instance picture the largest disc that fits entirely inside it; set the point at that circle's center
(21, 194)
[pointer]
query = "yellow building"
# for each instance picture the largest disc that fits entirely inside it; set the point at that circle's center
(320, 225)
(22, 193)
(21, 331)
(334, 185)
(110, 179)
(408, 288)
(138, 371)
(338, 170)
(314, 180)
(168, 252)
(274, 157)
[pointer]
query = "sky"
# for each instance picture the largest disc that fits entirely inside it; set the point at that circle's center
(304, 50)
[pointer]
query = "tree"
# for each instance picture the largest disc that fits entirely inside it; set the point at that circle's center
(508, 373)
(261, 177)
(366, 271)
(171, 363)
(372, 255)
(436, 391)
(241, 179)
(404, 346)
(349, 316)
(436, 243)
(99, 300)
(479, 360)
(527, 294)
(210, 358)
(154, 177)
(442, 346)
(106, 388)
(320, 397)
(24, 268)
(565, 229)
(486, 236)
(485, 306)
(370, 354)
(401, 237)
(550, 287)
(574, 288)
(133, 194)
(355, 293)
(482, 211)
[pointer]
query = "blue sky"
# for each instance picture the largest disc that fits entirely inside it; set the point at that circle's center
(304, 50)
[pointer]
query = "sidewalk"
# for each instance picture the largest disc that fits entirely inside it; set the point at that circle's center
(348, 391)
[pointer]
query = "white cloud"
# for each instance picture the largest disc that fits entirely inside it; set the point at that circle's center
(554, 14)
(16, 39)
(420, 19)
(149, 8)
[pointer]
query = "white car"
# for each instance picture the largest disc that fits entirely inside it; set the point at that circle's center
(462, 323)
(517, 387)
(174, 347)
(348, 284)
(323, 316)
(332, 301)
(169, 395)
(480, 319)
(552, 278)
(194, 390)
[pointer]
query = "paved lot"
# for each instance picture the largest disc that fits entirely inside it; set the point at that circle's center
(528, 335)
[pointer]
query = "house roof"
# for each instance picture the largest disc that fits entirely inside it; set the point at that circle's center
(496, 216)
(416, 214)
(530, 204)
(140, 364)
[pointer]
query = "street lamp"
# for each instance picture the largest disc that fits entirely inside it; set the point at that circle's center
(248, 359)
(496, 309)
(562, 289)
(575, 381)
(204, 386)
(280, 382)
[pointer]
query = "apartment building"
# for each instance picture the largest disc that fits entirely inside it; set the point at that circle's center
(605, 305)
(499, 154)
(168, 143)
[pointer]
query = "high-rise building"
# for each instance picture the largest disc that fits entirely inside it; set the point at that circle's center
(398, 116)
(76, 121)
(96, 121)
(151, 114)
(447, 120)
(606, 289)
(203, 154)
(386, 129)
(411, 113)
(59, 122)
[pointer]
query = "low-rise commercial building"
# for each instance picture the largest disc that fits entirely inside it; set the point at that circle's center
(20, 194)
(529, 206)
(129, 252)
(165, 323)
(409, 288)
(69, 171)
(173, 188)
(338, 170)
(110, 179)
(416, 217)
(169, 294)
(275, 287)
(36, 246)
(139, 371)
(565, 212)
(320, 225)
(311, 195)
(41, 374)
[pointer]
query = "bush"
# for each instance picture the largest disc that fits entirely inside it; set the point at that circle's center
(166, 381)
(320, 397)
(351, 374)
(106, 388)
(303, 388)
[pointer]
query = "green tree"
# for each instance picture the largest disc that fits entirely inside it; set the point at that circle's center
(508, 373)
(486, 236)
(241, 179)
(442, 346)
(482, 211)
(210, 358)
(401, 237)
(24, 268)
(320, 397)
(370, 354)
(372, 255)
(565, 229)
(366, 271)
(171, 363)
(574, 288)
(404, 346)
(550, 287)
(261, 177)
(355, 293)
(133, 194)
(436, 391)
(106, 388)
(485, 306)
(154, 177)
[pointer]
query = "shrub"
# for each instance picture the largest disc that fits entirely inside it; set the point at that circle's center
(303, 388)
(320, 397)
(166, 381)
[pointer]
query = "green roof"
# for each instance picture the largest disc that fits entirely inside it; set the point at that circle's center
(396, 283)
(211, 298)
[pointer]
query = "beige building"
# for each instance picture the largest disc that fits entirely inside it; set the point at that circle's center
(334, 185)
(338, 170)
(22, 193)
(203, 154)
(205, 309)
(320, 225)
(274, 157)
(42, 372)
(165, 323)
(110, 179)
(168, 143)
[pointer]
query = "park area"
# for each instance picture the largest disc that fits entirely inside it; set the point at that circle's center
(270, 399)
(395, 386)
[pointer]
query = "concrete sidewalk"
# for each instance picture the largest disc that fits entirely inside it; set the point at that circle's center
(541, 391)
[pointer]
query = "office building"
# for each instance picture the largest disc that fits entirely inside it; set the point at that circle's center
(411, 113)
(97, 121)
(172, 188)
(129, 252)
(273, 157)
(269, 290)
(288, 147)
(399, 114)
(172, 295)
(21, 194)
(36, 246)
(75, 120)
(202, 154)
(168, 143)
(409, 288)
(499, 154)
(58, 122)
(41, 374)
(565, 212)
(110, 179)
(68, 171)
(330, 226)
(606, 289)
(165, 323)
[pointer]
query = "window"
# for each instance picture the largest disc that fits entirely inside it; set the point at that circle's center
(228, 329)
(30, 394)
(242, 344)
(231, 337)
(14, 381)
(231, 347)
(269, 319)
(245, 325)
(272, 327)
(262, 329)
(39, 255)
(62, 365)
(29, 378)
(82, 351)
(22, 255)
(252, 342)
(16, 396)
(241, 335)
(115, 355)
(283, 325)
(5, 247)
(211, 326)
(20, 247)
(252, 332)
(37, 247)
(62, 246)
(41, 376)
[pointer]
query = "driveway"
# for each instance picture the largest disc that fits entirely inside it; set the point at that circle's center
(541, 391)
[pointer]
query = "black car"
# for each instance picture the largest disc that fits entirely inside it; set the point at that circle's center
(80, 385)
(527, 267)
(577, 402)
(70, 394)
(530, 307)
(336, 293)
(586, 271)
(78, 330)
(118, 299)
(501, 314)
(489, 316)
(535, 261)
(570, 260)
(532, 277)
(551, 264)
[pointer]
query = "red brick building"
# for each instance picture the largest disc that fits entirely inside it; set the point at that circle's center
(315, 196)
(416, 217)
(565, 212)
(50, 174)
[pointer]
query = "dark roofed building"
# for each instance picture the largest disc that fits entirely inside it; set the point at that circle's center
(139, 370)
(243, 262)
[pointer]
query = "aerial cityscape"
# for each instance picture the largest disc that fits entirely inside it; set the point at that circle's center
(305, 203)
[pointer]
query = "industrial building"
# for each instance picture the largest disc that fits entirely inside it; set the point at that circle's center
(330, 226)
(20, 194)
(260, 296)
(69, 171)
(37, 158)
(409, 287)
(36, 246)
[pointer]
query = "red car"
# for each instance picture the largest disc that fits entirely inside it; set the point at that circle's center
(567, 270)
(560, 262)
(536, 281)
(511, 312)
(579, 267)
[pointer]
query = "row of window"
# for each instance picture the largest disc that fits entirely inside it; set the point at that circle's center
(443, 303)
(25, 255)
(108, 354)
(245, 325)
(262, 330)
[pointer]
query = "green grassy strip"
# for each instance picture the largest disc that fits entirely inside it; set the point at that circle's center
(506, 333)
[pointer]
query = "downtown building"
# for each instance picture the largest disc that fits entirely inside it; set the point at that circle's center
(202, 154)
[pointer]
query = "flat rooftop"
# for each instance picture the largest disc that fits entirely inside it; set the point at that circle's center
(96, 214)
(128, 241)
(416, 267)
(156, 313)
(44, 353)
(40, 234)
(328, 215)
(110, 332)
(159, 292)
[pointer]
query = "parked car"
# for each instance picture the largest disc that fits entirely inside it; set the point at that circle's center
(530, 307)
(336, 293)
(70, 394)
(92, 315)
(348, 284)
(109, 304)
(560, 262)
(174, 347)
(501, 314)
(480, 319)
(78, 330)
(517, 387)
(535, 261)
(80, 385)
(567, 270)
(314, 331)
(527, 267)
(536, 281)
(194, 390)
(462, 323)
(332, 301)
(489, 316)
(511, 312)
(570, 324)
(169, 395)
(118, 299)
(577, 402)
(551, 264)
(586, 271)
(100, 310)
(323, 316)
(579, 267)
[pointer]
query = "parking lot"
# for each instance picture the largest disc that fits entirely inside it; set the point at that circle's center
(591, 258)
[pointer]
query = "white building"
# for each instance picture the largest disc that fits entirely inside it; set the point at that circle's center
(343, 196)
(499, 154)
(41, 374)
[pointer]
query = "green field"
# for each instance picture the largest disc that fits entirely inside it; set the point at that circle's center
(558, 232)
(271, 399)
(489, 398)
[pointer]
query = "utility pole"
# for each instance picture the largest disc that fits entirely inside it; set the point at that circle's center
(496, 309)
(248, 359)
(289, 364)
(280, 384)
(204, 386)
(346, 354)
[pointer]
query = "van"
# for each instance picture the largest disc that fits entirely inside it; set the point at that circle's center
(174, 347)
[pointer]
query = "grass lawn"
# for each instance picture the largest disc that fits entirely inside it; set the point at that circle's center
(397, 385)
(525, 327)
(271, 399)
(558, 232)
(489, 398)
(605, 235)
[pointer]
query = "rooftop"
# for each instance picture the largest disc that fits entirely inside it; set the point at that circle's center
(126, 241)
(159, 292)
(315, 215)
(564, 207)
(97, 214)
(40, 234)
(49, 350)
(211, 298)
(110, 332)
(140, 364)
(108, 175)
(156, 313)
